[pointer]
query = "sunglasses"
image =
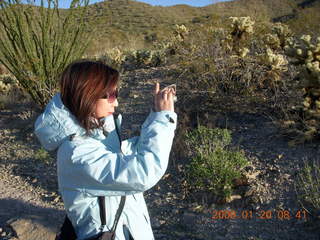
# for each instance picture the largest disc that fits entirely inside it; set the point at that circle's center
(111, 96)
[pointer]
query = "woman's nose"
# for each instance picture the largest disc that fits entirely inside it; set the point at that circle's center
(116, 103)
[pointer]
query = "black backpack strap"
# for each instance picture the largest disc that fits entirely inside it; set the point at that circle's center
(102, 205)
(119, 211)
(101, 199)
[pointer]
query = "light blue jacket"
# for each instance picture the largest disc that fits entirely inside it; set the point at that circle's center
(94, 166)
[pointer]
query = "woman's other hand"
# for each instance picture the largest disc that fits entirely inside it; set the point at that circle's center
(163, 99)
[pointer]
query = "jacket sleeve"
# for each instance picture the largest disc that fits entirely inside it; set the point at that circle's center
(141, 164)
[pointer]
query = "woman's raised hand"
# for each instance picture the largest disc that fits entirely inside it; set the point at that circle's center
(163, 99)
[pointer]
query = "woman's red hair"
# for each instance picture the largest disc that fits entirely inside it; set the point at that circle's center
(82, 83)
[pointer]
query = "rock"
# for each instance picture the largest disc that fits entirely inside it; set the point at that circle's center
(33, 228)
(233, 197)
(189, 219)
(175, 211)
(240, 181)
(56, 199)
(253, 175)
(162, 222)
(286, 176)
(155, 223)
(160, 236)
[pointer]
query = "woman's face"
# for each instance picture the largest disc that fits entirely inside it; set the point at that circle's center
(104, 107)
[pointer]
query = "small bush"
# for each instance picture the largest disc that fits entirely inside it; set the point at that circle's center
(43, 156)
(143, 58)
(132, 59)
(214, 166)
(308, 186)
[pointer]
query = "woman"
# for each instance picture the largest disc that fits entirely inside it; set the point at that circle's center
(79, 122)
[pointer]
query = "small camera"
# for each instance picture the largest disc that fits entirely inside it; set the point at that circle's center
(174, 86)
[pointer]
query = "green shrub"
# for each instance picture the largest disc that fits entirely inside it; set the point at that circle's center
(308, 186)
(214, 166)
(43, 156)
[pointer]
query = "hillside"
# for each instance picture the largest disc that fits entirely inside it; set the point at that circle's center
(126, 22)
(133, 24)
(123, 21)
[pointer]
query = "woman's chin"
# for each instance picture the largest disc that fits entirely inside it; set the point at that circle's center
(104, 115)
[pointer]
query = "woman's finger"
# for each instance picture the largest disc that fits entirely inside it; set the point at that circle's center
(165, 94)
(157, 88)
(173, 91)
(170, 94)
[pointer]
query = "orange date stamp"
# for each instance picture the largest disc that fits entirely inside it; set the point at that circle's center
(260, 214)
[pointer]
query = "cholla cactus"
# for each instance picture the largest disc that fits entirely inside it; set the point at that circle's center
(283, 33)
(241, 26)
(116, 55)
(180, 32)
(144, 57)
(243, 52)
(167, 47)
(280, 36)
(282, 30)
(236, 40)
(276, 63)
(307, 54)
(177, 40)
(157, 57)
(136, 58)
(272, 41)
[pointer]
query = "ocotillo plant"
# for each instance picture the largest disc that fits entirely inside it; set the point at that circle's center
(37, 42)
